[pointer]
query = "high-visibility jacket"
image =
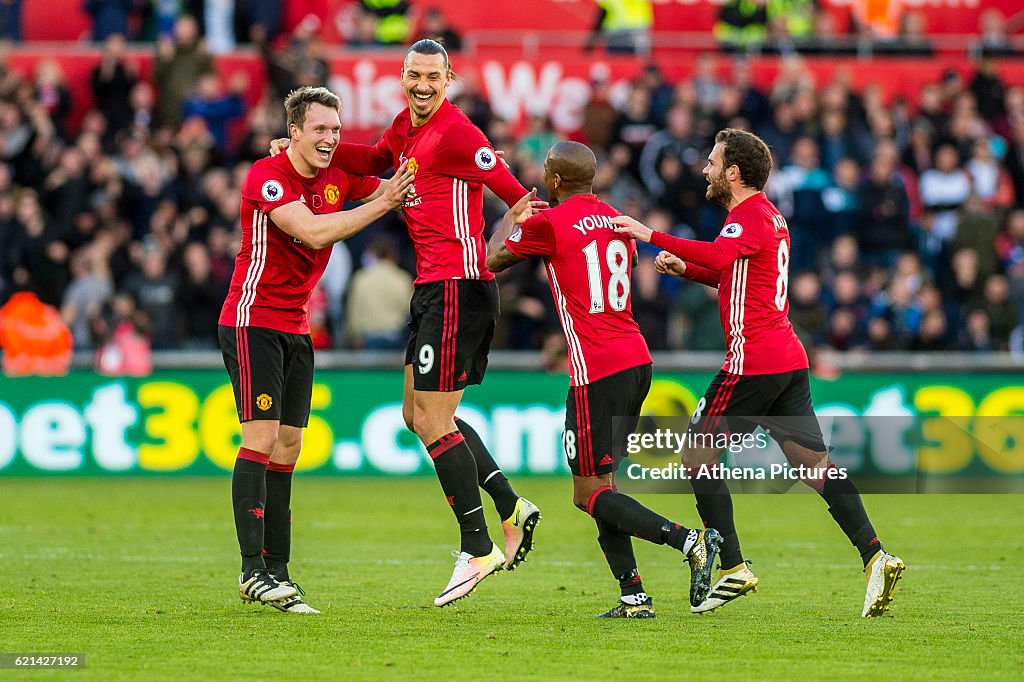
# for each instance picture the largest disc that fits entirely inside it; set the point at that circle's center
(34, 338)
(626, 15)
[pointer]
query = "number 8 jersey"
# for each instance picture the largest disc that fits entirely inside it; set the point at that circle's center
(749, 263)
(588, 266)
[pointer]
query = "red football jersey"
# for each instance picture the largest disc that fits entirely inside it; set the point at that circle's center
(751, 255)
(453, 162)
(274, 273)
(589, 267)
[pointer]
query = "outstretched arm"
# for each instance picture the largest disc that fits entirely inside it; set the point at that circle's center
(712, 255)
(319, 231)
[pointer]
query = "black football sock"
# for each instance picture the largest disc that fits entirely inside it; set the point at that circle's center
(618, 552)
(277, 540)
(631, 517)
(490, 477)
(248, 496)
(846, 507)
(456, 471)
(714, 504)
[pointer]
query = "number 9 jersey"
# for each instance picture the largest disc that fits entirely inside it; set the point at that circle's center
(588, 266)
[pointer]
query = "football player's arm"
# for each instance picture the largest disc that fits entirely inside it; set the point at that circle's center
(669, 264)
(319, 231)
(716, 255)
(363, 159)
(504, 185)
(499, 256)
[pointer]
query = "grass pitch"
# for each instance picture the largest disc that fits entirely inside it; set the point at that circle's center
(140, 576)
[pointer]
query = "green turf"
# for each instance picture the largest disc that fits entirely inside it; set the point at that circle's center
(140, 575)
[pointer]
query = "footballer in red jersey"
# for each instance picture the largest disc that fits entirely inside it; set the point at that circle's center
(291, 215)
(454, 305)
(589, 266)
(764, 381)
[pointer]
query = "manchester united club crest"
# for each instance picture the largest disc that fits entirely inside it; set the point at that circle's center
(331, 194)
(264, 401)
(413, 164)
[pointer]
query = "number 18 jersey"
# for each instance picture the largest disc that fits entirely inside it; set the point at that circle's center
(588, 266)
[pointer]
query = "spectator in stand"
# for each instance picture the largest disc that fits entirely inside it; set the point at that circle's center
(378, 300)
(876, 20)
(840, 200)
(678, 139)
(754, 104)
(944, 189)
(988, 89)
(436, 27)
(539, 137)
(883, 225)
(90, 287)
(180, 63)
(742, 23)
(994, 40)
(301, 63)
(796, 189)
(976, 334)
(392, 25)
(1014, 159)
(109, 17)
(219, 25)
(112, 82)
(599, 115)
(1002, 312)
(119, 334)
(1010, 245)
(791, 20)
(156, 290)
(807, 311)
(623, 25)
(202, 296)
(977, 228)
(257, 21)
(634, 127)
(217, 108)
(52, 94)
(10, 20)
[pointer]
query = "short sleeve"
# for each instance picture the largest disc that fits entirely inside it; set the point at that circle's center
(267, 189)
(535, 237)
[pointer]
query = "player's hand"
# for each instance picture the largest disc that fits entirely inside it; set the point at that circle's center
(523, 209)
(669, 264)
(632, 228)
(279, 145)
(398, 186)
(501, 157)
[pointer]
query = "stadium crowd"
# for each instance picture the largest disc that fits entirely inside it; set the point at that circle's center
(907, 217)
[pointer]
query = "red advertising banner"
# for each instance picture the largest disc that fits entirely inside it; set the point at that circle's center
(368, 83)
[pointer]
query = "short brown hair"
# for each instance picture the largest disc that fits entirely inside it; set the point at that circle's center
(749, 153)
(296, 104)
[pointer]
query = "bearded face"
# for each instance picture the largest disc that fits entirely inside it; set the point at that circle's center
(718, 186)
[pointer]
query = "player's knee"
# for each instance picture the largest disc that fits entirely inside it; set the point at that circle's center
(407, 415)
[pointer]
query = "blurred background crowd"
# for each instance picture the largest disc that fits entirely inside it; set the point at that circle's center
(907, 216)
